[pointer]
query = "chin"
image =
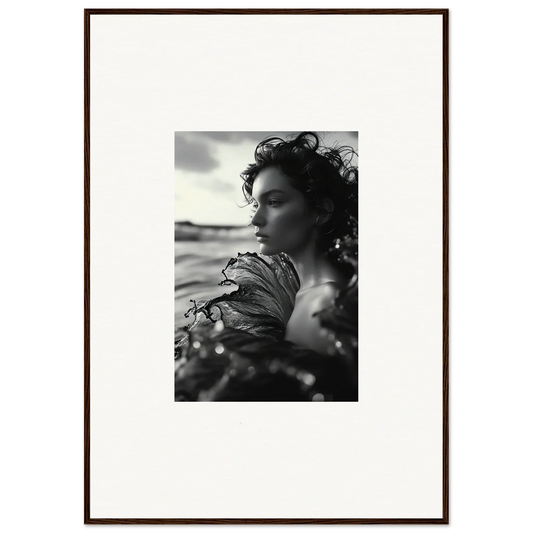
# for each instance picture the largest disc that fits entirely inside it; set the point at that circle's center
(267, 250)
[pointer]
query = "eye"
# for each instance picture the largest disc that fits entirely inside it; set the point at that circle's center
(274, 203)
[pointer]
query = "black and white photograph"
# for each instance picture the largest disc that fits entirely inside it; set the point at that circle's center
(266, 266)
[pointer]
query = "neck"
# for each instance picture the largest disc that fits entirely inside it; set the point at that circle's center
(312, 267)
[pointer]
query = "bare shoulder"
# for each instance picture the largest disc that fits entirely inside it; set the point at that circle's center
(320, 297)
(304, 326)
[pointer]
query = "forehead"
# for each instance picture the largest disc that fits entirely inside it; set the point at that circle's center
(271, 178)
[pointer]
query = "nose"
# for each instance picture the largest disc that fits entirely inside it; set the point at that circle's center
(257, 219)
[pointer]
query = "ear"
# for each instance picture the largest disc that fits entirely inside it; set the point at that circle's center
(326, 211)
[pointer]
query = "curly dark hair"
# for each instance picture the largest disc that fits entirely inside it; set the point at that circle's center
(318, 172)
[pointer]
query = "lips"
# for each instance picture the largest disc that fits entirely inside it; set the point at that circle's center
(261, 237)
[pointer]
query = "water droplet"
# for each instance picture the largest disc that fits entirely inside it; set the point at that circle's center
(318, 397)
(338, 344)
(219, 348)
(291, 371)
(274, 366)
(196, 344)
(306, 377)
(219, 326)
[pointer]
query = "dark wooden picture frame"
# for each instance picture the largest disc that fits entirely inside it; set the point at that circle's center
(445, 265)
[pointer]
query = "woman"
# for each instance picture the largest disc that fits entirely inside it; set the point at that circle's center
(304, 197)
(289, 331)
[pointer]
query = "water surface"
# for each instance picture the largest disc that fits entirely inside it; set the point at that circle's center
(198, 271)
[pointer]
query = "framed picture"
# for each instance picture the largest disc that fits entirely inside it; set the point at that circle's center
(286, 173)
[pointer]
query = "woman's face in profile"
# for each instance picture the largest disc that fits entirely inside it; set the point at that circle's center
(282, 219)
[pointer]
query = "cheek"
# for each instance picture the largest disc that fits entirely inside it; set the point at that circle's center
(289, 229)
(294, 223)
(302, 217)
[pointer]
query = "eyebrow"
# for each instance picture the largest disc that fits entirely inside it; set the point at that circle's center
(266, 193)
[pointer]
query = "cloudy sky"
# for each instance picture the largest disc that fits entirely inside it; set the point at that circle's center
(207, 172)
